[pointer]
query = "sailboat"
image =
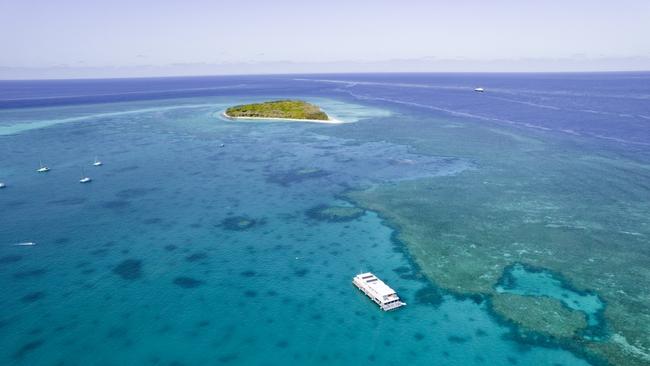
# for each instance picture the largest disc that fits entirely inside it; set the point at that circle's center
(84, 178)
(97, 162)
(42, 168)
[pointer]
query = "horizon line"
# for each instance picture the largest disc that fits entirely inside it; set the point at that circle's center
(326, 73)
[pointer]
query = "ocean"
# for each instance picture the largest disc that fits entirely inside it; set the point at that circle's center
(202, 240)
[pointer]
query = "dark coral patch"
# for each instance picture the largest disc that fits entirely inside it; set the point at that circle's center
(99, 252)
(28, 347)
(115, 204)
(227, 358)
(170, 247)
(198, 256)
(129, 269)
(187, 282)
(250, 293)
(132, 193)
(33, 296)
(428, 295)
(302, 272)
(296, 176)
(457, 339)
(71, 201)
(10, 259)
(238, 223)
(334, 213)
(248, 273)
(30, 273)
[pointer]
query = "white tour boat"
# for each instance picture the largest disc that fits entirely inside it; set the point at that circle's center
(378, 291)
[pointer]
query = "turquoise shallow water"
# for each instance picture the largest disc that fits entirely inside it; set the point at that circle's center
(534, 282)
(138, 267)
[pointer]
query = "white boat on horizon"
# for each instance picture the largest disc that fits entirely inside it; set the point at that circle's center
(2, 185)
(377, 291)
(480, 90)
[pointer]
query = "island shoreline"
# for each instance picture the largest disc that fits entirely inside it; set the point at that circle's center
(324, 121)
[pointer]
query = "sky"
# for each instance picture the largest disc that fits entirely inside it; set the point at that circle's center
(102, 38)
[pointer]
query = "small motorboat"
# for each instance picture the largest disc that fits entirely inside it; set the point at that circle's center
(25, 244)
(2, 185)
(97, 162)
(480, 90)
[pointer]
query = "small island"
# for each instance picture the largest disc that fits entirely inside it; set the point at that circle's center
(292, 110)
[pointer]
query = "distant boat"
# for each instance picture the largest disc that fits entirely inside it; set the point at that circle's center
(25, 244)
(480, 90)
(42, 168)
(2, 185)
(84, 178)
(97, 162)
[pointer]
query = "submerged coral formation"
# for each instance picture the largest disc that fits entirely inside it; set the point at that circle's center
(335, 213)
(542, 204)
(540, 314)
(238, 223)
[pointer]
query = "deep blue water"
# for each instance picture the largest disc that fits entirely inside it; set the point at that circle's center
(140, 267)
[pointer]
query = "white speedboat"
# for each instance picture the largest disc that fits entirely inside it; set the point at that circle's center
(480, 90)
(42, 168)
(25, 244)
(97, 162)
(2, 185)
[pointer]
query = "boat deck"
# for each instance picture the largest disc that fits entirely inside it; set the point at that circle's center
(378, 291)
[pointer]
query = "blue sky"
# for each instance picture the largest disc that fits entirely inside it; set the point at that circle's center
(83, 38)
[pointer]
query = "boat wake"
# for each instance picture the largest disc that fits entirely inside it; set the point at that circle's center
(24, 244)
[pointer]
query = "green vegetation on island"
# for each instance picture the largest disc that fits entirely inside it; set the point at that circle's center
(287, 109)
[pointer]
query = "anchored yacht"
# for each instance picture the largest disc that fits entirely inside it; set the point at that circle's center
(42, 168)
(97, 162)
(377, 291)
(84, 178)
